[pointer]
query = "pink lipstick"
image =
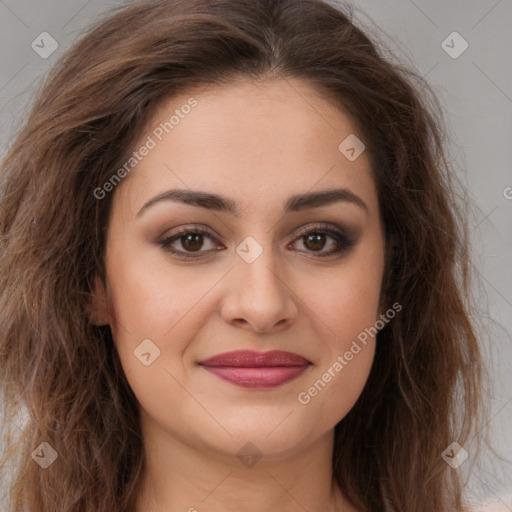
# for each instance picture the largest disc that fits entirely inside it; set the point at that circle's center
(252, 369)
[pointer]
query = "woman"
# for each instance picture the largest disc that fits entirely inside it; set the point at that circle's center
(234, 272)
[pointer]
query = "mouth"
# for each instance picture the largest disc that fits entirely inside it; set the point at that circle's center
(250, 369)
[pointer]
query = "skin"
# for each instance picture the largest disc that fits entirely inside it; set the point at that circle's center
(258, 144)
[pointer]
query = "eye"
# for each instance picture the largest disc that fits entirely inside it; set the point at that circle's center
(191, 240)
(314, 239)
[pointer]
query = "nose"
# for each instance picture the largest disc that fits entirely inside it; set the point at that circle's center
(259, 296)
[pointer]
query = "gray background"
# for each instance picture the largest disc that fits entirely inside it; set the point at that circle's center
(476, 92)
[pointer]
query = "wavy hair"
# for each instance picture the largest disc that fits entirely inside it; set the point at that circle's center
(425, 387)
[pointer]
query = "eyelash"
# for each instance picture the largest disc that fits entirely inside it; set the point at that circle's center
(343, 241)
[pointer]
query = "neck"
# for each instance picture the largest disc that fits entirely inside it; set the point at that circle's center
(183, 477)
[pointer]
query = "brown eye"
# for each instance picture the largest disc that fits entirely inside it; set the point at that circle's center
(189, 242)
(315, 242)
(192, 242)
(317, 238)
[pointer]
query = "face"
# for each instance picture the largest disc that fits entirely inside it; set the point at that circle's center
(288, 256)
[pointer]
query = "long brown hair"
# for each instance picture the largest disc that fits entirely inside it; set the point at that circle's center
(424, 390)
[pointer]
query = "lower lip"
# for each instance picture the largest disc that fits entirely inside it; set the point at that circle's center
(266, 377)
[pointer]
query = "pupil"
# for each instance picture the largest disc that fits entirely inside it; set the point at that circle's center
(187, 245)
(318, 241)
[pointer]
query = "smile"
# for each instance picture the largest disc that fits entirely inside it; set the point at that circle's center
(251, 369)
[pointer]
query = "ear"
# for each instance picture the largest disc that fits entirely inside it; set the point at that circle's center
(99, 314)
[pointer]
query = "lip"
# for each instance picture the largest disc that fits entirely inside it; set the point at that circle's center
(251, 369)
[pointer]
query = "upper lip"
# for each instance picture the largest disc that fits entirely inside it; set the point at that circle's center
(253, 359)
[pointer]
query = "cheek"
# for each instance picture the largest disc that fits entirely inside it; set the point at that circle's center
(332, 392)
(346, 305)
(147, 299)
(349, 312)
(150, 302)
(148, 312)
(346, 300)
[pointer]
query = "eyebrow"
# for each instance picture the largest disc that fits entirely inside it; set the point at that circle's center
(220, 203)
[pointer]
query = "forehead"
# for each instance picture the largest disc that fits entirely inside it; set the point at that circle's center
(250, 141)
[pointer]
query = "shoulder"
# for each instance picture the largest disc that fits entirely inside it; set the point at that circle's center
(493, 506)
